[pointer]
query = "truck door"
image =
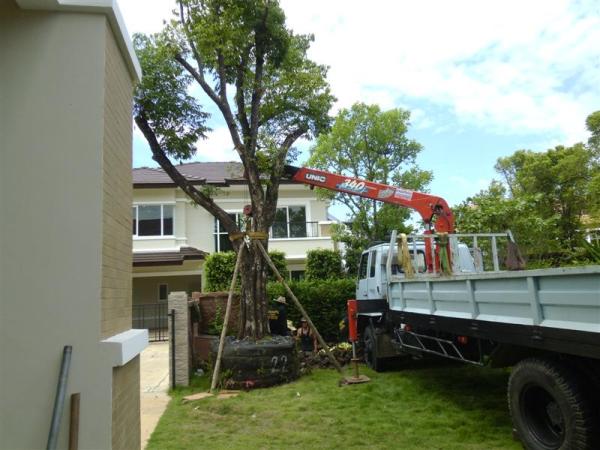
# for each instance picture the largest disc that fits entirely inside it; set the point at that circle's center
(361, 283)
(373, 283)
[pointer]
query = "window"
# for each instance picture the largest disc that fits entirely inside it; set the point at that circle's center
(362, 270)
(372, 269)
(152, 220)
(297, 275)
(163, 291)
(222, 242)
(290, 222)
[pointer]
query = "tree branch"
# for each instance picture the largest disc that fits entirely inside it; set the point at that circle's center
(239, 93)
(198, 197)
(271, 196)
(257, 90)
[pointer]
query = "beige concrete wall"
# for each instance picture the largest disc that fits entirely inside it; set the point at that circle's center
(65, 260)
(51, 115)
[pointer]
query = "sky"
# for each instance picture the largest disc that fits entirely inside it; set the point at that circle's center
(482, 79)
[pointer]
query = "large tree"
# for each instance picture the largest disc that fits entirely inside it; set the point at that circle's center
(366, 142)
(241, 56)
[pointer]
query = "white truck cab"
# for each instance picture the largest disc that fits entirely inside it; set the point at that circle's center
(372, 278)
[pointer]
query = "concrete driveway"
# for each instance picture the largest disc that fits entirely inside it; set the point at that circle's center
(154, 384)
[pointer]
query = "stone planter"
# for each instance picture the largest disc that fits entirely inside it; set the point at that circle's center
(249, 365)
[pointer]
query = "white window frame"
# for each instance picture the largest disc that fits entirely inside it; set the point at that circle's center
(217, 234)
(162, 219)
(287, 220)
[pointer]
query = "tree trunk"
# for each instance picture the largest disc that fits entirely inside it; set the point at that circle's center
(253, 299)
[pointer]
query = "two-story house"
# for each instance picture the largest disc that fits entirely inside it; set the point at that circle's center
(172, 236)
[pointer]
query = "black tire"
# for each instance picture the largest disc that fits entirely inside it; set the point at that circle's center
(370, 349)
(548, 406)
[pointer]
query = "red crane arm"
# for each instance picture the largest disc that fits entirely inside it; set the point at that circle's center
(428, 206)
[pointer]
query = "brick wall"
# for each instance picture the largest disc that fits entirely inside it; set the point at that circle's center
(116, 242)
(126, 406)
(209, 303)
(117, 194)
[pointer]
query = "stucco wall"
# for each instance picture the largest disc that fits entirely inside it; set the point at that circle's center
(52, 229)
(145, 290)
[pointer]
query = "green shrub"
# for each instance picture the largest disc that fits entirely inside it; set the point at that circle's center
(323, 300)
(322, 264)
(278, 259)
(218, 269)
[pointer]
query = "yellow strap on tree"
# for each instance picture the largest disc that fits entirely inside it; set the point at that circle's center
(260, 235)
(405, 261)
(235, 236)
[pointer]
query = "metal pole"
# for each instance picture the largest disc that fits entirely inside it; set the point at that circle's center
(299, 306)
(59, 400)
(172, 316)
(215, 376)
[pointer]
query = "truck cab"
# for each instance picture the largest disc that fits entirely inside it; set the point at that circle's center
(372, 276)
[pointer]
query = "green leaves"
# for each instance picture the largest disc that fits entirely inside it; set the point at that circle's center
(162, 98)
(365, 142)
(546, 200)
(218, 269)
(323, 264)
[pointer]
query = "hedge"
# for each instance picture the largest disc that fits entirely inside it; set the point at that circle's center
(323, 264)
(218, 269)
(323, 300)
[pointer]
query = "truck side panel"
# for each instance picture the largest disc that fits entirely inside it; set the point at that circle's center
(555, 298)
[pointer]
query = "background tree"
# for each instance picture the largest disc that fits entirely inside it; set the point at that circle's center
(368, 143)
(256, 71)
(547, 199)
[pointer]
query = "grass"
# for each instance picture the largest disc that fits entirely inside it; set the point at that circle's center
(449, 407)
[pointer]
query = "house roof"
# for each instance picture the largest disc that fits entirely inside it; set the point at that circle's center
(216, 173)
(172, 258)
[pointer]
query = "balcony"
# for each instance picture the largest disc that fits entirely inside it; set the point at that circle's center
(300, 230)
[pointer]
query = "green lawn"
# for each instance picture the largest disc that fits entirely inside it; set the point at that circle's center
(451, 407)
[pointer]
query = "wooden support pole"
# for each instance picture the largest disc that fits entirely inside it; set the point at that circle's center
(213, 384)
(298, 305)
(74, 422)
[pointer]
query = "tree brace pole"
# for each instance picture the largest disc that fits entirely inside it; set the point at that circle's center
(215, 377)
(298, 305)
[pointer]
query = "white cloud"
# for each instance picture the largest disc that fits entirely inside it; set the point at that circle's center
(511, 66)
(216, 147)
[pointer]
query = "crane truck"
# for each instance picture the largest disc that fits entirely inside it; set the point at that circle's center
(448, 295)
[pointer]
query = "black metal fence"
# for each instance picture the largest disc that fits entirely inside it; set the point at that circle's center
(152, 316)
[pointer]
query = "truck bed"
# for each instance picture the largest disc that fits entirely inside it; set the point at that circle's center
(567, 298)
(539, 308)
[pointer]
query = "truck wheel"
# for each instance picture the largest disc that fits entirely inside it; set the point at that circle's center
(548, 407)
(370, 349)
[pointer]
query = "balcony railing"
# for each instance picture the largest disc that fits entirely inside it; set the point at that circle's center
(291, 230)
